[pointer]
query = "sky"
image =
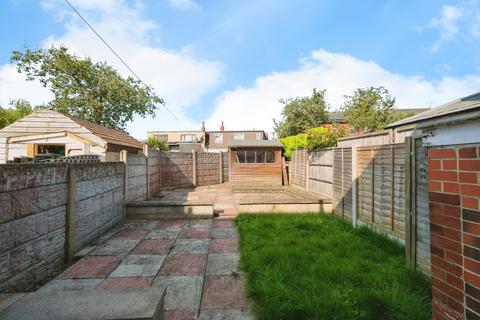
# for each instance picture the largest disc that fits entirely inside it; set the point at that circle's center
(232, 61)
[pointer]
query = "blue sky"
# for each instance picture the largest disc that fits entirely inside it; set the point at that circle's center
(232, 60)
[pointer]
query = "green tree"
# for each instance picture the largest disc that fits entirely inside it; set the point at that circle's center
(370, 109)
(19, 109)
(301, 114)
(156, 143)
(88, 90)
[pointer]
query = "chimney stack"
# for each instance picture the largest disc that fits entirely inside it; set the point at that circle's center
(203, 126)
(222, 127)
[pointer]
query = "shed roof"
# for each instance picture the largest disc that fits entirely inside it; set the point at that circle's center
(255, 143)
(111, 136)
(468, 103)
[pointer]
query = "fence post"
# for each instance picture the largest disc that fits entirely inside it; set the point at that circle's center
(307, 165)
(70, 217)
(123, 158)
(194, 168)
(354, 186)
(408, 194)
(221, 166)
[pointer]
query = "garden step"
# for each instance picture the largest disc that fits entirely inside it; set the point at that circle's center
(159, 210)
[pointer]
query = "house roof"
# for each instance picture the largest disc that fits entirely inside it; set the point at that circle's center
(337, 116)
(111, 136)
(467, 103)
(255, 143)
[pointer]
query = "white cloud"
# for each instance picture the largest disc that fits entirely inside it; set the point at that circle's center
(184, 5)
(461, 21)
(177, 76)
(340, 74)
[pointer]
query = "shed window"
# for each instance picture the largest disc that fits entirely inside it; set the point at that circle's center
(49, 149)
(255, 156)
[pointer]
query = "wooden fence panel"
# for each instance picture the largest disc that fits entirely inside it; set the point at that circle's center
(298, 169)
(347, 183)
(337, 181)
(320, 177)
(381, 187)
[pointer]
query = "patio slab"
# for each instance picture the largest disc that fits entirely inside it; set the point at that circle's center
(92, 267)
(130, 234)
(185, 265)
(225, 233)
(224, 292)
(124, 283)
(114, 248)
(154, 247)
(222, 263)
(225, 314)
(139, 265)
(172, 223)
(182, 292)
(224, 223)
(179, 315)
(164, 234)
(195, 234)
(224, 246)
(71, 284)
(199, 224)
(191, 246)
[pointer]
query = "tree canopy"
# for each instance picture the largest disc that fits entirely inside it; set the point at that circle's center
(370, 109)
(20, 108)
(89, 90)
(301, 114)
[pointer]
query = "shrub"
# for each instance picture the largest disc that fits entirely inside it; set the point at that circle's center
(156, 144)
(313, 139)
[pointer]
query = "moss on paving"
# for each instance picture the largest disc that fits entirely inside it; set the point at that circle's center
(319, 267)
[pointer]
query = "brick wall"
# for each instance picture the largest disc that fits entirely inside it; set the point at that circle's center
(208, 168)
(99, 200)
(176, 169)
(454, 194)
(137, 177)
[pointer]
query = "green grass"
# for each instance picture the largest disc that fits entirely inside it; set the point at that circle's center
(319, 267)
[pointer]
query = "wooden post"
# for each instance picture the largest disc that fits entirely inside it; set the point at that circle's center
(343, 178)
(307, 165)
(221, 166)
(123, 158)
(392, 189)
(413, 203)
(372, 160)
(408, 193)
(70, 217)
(194, 168)
(354, 186)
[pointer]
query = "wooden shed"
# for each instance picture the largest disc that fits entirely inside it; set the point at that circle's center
(255, 161)
(51, 132)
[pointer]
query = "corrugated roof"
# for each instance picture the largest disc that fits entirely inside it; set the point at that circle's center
(255, 143)
(457, 106)
(111, 136)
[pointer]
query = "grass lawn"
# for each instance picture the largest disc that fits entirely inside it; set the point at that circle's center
(319, 267)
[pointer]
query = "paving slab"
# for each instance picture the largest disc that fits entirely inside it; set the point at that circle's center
(70, 284)
(139, 265)
(7, 299)
(224, 292)
(154, 247)
(163, 234)
(182, 292)
(84, 251)
(130, 234)
(114, 248)
(225, 233)
(172, 223)
(224, 246)
(180, 264)
(223, 223)
(199, 223)
(195, 234)
(123, 283)
(222, 263)
(179, 315)
(92, 267)
(190, 246)
(145, 303)
(225, 314)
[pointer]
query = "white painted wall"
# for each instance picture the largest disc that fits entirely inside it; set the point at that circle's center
(463, 133)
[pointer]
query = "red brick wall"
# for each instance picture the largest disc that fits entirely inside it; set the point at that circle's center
(454, 193)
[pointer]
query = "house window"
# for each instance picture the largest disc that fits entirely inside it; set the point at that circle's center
(257, 156)
(259, 136)
(161, 137)
(218, 138)
(188, 137)
(174, 148)
(239, 136)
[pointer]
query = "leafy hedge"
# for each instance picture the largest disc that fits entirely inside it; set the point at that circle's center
(313, 139)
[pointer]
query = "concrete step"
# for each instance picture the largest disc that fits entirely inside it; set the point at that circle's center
(159, 210)
(121, 304)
